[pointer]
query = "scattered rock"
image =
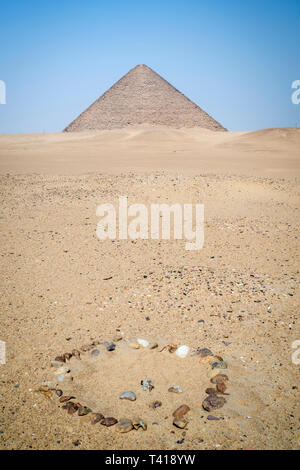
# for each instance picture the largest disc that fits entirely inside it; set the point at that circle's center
(213, 402)
(170, 347)
(117, 338)
(67, 356)
(204, 352)
(155, 404)
(147, 385)
(124, 425)
(95, 352)
(66, 398)
(128, 396)
(219, 365)
(108, 421)
(211, 391)
(213, 418)
(221, 387)
(71, 407)
(60, 359)
(109, 346)
(182, 351)
(153, 345)
(219, 358)
(59, 392)
(76, 353)
(139, 423)
(48, 394)
(180, 423)
(96, 418)
(175, 389)
(83, 410)
(219, 378)
(181, 411)
(144, 343)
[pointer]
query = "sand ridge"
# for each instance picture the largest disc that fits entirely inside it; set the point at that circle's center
(269, 152)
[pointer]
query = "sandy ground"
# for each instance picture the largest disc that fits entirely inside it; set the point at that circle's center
(61, 287)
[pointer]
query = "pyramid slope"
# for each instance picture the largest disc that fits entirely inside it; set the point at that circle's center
(142, 97)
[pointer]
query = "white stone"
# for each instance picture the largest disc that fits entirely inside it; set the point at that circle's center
(182, 351)
(143, 342)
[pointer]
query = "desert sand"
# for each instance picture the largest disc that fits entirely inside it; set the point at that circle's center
(62, 288)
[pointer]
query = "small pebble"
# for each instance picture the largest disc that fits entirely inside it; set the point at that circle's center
(108, 421)
(221, 387)
(128, 396)
(96, 418)
(71, 407)
(204, 352)
(181, 411)
(66, 398)
(143, 342)
(76, 353)
(219, 365)
(181, 441)
(180, 423)
(83, 411)
(139, 423)
(213, 402)
(147, 385)
(175, 389)
(155, 404)
(117, 338)
(95, 352)
(219, 378)
(182, 351)
(211, 391)
(109, 346)
(124, 425)
(60, 359)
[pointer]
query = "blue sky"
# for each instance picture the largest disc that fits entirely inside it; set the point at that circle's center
(235, 59)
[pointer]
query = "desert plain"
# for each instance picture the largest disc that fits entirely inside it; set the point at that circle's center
(62, 288)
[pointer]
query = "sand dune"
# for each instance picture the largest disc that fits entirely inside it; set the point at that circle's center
(266, 152)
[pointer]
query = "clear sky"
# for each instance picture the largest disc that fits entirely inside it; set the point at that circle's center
(236, 59)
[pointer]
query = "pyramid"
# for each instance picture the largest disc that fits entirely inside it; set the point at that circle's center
(142, 97)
